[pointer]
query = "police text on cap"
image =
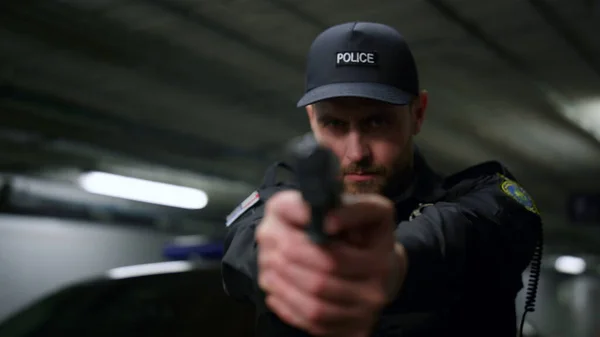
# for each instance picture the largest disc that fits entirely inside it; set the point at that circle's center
(356, 58)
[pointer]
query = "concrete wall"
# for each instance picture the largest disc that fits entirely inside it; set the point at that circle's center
(566, 306)
(38, 255)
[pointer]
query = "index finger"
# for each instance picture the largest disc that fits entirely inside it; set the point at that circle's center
(289, 207)
(359, 211)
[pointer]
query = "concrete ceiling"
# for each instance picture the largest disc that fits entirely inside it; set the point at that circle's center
(209, 88)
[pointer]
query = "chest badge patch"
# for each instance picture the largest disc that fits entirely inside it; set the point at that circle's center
(518, 193)
(250, 201)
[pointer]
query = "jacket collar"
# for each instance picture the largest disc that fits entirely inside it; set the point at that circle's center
(426, 184)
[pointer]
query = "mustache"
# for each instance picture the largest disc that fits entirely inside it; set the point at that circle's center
(363, 169)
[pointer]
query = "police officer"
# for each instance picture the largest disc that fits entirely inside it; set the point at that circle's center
(416, 254)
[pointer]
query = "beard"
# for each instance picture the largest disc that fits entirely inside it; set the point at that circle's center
(385, 181)
(374, 185)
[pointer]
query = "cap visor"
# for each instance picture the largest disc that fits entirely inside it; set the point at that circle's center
(376, 91)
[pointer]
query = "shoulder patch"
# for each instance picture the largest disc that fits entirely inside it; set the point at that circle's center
(250, 201)
(518, 193)
(488, 168)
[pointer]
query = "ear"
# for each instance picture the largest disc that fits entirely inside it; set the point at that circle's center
(312, 116)
(310, 111)
(419, 108)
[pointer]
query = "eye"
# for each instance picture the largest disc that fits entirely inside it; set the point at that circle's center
(333, 123)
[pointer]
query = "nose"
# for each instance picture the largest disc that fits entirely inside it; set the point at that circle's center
(356, 148)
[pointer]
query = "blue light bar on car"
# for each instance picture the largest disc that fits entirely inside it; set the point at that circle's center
(190, 249)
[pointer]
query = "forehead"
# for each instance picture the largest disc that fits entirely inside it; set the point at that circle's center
(355, 107)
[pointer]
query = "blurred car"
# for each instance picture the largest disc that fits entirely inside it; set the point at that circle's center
(177, 298)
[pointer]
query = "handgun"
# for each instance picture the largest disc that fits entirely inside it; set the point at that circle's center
(317, 170)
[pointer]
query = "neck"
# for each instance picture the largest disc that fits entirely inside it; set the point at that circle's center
(401, 183)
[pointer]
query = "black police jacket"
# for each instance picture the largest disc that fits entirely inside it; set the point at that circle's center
(468, 237)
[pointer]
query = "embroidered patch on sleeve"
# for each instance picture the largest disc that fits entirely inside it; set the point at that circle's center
(518, 193)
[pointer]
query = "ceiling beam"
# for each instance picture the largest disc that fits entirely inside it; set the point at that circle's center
(513, 61)
(109, 42)
(134, 144)
(297, 12)
(78, 116)
(188, 14)
(551, 16)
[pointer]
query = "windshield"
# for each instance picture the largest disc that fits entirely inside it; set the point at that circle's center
(182, 304)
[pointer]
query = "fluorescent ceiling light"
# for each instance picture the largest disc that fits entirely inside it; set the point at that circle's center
(586, 114)
(570, 265)
(150, 269)
(143, 190)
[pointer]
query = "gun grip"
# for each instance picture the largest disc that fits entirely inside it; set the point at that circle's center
(317, 172)
(316, 230)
